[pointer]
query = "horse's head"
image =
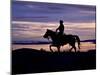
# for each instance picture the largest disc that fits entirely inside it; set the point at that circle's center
(47, 34)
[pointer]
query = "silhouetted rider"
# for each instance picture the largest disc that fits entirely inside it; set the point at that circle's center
(60, 28)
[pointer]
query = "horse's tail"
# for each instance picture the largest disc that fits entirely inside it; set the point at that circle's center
(77, 40)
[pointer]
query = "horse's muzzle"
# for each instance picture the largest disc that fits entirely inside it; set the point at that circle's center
(45, 36)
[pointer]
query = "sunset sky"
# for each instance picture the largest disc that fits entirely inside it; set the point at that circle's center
(31, 19)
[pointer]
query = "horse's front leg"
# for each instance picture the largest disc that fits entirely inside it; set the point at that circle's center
(70, 49)
(50, 48)
(58, 48)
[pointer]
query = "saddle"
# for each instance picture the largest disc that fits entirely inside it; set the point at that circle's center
(60, 35)
(59, 38)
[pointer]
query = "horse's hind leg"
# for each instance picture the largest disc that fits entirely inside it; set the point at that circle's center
(50, 48)
(79, 47)
(74, 48)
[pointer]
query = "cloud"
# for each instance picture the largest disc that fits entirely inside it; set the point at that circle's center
(50, 12)
(31, 19)
(33, 30)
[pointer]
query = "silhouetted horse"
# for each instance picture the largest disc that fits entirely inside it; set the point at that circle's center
(60, 40)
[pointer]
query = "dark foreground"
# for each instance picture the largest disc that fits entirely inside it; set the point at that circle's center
(34, 61)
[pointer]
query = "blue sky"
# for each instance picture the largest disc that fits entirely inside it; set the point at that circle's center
(50, 12)
(31, 19)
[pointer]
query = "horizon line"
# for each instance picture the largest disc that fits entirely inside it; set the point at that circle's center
(45, 42)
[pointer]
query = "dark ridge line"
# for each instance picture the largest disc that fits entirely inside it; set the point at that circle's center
(37, 43)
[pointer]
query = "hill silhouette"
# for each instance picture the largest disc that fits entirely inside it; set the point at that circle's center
(27, 60)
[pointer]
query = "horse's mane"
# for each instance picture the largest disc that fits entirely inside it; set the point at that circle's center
(51, 31)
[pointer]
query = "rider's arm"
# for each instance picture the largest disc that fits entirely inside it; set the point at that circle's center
(57, 29)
